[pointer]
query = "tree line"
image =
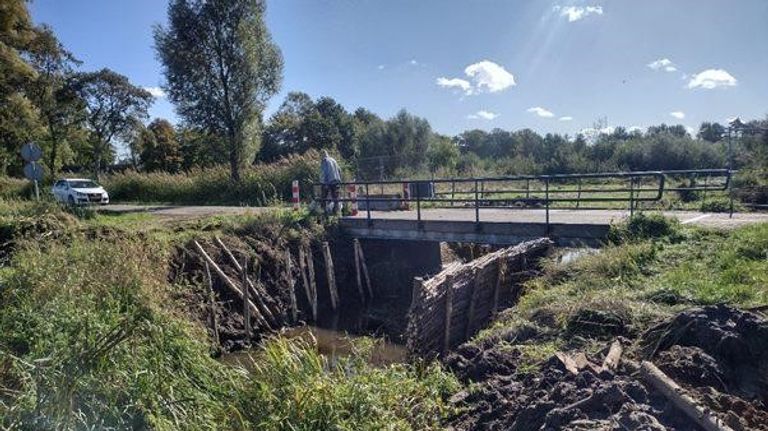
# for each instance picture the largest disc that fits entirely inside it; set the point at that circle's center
(221, 67)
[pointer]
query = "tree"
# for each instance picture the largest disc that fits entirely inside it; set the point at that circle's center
(60, 107)
(711, 132)
(113, 105)
(160, 147)
(221, 68)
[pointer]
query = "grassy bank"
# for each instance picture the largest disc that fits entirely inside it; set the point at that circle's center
(94, 336)
(654, 269)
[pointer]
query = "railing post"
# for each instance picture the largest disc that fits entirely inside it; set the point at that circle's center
(578, 196)
(546, 200)
(295, 195)
(368, 206)
(453, 191)
(527, 189)
(631, 196)
(477, 203)
(418, 203)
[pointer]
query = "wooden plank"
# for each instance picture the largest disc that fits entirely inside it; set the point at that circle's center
(312, 283)
(448, 315)
(355, 245)
(291, 286)
(365, 269)
(246, 300)
(501, 266)
(474, 290)
(212, 307)
(258, 294)
(229, 283)
(305, 280)
(611, 361)
(677, 395)
(331, 276)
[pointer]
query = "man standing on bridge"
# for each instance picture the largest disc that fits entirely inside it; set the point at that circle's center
(330, 177)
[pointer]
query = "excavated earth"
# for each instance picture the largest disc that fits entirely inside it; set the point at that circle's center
(718, 354)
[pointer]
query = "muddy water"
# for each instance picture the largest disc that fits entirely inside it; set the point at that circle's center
(331, 344)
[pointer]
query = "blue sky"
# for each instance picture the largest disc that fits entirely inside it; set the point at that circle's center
(554, 66)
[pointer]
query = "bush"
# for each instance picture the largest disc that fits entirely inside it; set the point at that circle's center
(260, 185)
(15, 188)
(717, 205)
(645, 226)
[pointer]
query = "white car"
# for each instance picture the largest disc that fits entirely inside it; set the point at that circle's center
(77, 191)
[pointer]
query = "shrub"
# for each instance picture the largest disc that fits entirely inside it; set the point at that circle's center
(645, 226)
(261, 185)
(15, 188)
(717, 205)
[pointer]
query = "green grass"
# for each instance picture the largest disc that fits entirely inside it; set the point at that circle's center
(633, 284)
(93, 336)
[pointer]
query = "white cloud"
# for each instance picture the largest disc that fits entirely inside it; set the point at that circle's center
(712, 78)
(566, 118)
(156, 92)
(489, 76)
(380, 67)
(483, 77)
(663, 64)
(414, 63)
(591, 134)
(575, 13)
(541, 112)
(463, 84)
(678, 114)
(485, 115)
(635, 129)
(691, 131)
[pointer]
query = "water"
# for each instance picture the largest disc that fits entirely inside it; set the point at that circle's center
(331, 344)
(570, 255)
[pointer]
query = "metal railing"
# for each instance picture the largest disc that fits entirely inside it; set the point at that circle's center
(528, 191)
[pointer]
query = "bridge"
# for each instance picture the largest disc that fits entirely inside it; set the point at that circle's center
(573, 210)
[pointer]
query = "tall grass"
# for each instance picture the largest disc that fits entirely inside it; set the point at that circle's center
(92, 337)
(260, 184)
(14, 187)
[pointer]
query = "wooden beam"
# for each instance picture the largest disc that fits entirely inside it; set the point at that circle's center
(611, 361)
(501, 269)
(291, 286)
(677, 395)
(448, 314)
(305, 281)
(472, 303)
(331, 276)
(312, 283)
(355, 245)
(246, 309)
(365, 269)
(212, 307)
(230, 284)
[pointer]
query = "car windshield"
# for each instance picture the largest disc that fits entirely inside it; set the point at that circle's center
(82, 184)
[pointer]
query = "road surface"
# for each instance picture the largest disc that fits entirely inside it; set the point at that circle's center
(488, 215)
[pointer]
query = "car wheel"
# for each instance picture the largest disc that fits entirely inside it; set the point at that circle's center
(71, 200)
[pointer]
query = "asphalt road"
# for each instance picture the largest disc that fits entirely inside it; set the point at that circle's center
(490, 215)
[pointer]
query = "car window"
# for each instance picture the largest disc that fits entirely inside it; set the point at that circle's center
(59, 184)
(83, 184)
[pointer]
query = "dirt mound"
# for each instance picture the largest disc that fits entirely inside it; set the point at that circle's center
(716, 353)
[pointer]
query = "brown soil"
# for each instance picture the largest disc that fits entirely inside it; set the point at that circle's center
(718, 354)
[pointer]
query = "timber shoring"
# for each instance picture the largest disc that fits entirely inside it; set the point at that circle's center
(467, 291)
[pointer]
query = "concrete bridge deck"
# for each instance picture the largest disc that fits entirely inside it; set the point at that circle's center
(511, 226)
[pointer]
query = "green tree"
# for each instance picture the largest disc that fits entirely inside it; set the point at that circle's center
(59, 106)
(711, 132)
(221, 67)
(160, 150)
(113, 106)
(442, 153)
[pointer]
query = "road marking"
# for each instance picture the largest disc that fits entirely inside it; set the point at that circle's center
(695, 219)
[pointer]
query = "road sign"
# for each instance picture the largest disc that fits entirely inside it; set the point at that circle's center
(33, 172)
(31, 152)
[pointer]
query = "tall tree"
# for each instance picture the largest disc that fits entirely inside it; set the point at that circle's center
(221, 67)
(113, 105)
(160, 147)
(60, 107)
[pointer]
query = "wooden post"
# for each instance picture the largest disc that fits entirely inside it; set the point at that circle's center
(472, 303)
(246, 300)
(680, 399)
(355, 245)
(257, 293)
(334, 293)
(501, 266)
(312, 283)
(291, 286)
(305, 281)
(212, 305)
(365, 269)
(229, 283)
(448, 314)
